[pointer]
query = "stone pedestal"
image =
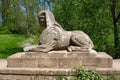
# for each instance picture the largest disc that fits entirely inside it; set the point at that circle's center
(59, 59)
(47, 66)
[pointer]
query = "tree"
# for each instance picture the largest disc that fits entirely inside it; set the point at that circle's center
(20, 17)
(91, 16)
(12, 17)
(31, 10)
(5, 5)
(115, 18)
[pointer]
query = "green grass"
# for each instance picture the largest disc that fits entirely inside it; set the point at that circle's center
(10, 44)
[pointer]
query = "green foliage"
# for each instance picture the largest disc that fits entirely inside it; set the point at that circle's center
(92, 17)
(59, 78)
(9, 44)
(20, 20)
(32, 25)
(82, 74)
(5, 30)
(87, 75)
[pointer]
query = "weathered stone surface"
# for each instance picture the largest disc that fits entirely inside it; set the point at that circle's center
(46, 73)
(15, 77)
(54, 37)
(69, 62)
(59, 59)
(89, 61)
(16, 61)
(25, 77)
(104, 60)
(58, 54)
(49, 73)
(48, 62)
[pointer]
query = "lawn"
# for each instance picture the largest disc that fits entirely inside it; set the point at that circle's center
(10, 44)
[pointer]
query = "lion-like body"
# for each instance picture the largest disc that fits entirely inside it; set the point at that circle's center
(54, 37)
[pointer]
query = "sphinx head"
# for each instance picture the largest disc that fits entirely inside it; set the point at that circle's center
(46, 18)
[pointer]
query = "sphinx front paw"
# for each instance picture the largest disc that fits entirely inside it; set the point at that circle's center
(26, 49)
(29, 48)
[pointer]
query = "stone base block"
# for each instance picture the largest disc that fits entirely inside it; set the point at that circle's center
(9, 73)
(47, 73)
(104, 60)
(59, 59)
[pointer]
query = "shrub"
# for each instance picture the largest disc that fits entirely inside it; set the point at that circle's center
(82, 74)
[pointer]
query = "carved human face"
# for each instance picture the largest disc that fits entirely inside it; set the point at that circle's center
(42, 20)
(46, 18)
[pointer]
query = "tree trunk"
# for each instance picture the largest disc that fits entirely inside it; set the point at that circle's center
(115, 18)
(5, 4)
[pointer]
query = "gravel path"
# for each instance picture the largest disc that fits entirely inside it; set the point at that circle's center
(3, 63)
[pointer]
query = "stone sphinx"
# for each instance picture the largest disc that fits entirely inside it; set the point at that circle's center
(59, 53)
(54, 37)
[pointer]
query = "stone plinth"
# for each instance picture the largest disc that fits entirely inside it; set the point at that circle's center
(50, 73)
(48, 66)
(59, 59)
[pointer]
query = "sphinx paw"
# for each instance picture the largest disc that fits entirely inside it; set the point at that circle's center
(26, 49)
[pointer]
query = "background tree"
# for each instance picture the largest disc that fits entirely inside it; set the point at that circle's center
(13, 18)
(98, 18)
(115, 11)
(29, 6)
(4, 8)
(21, 17)
(92, 17)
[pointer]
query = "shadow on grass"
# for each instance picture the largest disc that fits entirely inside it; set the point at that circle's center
(9, 51)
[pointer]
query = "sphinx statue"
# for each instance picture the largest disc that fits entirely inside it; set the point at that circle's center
(54, 37)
